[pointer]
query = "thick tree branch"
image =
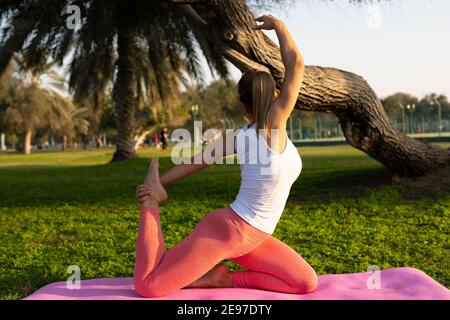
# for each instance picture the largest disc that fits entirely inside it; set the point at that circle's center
(347, 95)
(242, 62)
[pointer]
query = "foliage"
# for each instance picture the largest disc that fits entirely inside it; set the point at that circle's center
(425, 110)
(159, 47)
(217, 101)
(29, 101)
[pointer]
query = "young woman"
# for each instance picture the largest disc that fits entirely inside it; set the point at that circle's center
(243, 231)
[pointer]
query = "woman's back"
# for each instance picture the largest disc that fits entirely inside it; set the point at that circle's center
(266, 179)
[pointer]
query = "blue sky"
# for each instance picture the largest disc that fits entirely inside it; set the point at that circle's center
(406, 49)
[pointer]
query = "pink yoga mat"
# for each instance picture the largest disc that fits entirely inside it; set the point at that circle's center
(390, 284)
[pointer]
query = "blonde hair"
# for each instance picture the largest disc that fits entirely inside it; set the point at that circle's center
(256, 92)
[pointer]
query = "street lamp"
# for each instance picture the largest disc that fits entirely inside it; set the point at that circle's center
(411, 109)
(194, 110)
(403, 117)
(433, 102)
(300, 128)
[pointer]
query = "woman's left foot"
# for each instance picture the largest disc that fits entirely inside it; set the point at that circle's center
(217, 277)
(158, 193)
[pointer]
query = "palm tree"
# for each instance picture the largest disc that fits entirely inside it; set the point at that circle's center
(25, 109)
(29, 99)
(68, 119)
(129, 43)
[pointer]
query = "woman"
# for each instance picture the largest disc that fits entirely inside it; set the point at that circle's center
(164, 137)
(243, 231)
(156, 140)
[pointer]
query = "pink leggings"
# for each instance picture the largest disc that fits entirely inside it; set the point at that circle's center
(270, 264)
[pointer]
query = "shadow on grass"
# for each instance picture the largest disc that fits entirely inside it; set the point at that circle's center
(432, 186)
(339, 185)
(115, 183)
(55, 185)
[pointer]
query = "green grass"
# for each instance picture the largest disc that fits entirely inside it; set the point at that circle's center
(76, 208)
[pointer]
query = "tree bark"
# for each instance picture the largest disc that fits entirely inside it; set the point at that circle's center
(99, 141)
(27, 141)
(124, 88)
(84, 140)
(347, 95)
(64, 143)
(141, 135)
(2, 141)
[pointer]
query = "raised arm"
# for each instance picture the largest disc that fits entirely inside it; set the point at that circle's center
(294, 70)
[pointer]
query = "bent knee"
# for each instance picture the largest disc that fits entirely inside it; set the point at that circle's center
(311, 283)
(149, 289)
(306, 283)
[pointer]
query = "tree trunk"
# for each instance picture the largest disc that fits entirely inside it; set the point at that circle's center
(2, 141)
(124, 87)
(347, 95)
(84, 139)
(27, 141)
(64, 143)
(99, 141)
(141, 135)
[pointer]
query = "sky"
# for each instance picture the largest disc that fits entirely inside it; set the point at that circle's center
(397, 46)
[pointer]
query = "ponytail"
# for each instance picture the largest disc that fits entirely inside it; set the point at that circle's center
(256, 92)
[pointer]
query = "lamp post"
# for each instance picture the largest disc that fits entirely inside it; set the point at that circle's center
(194, 110)
(411, 109)
(435, 101)
(403, 117)
(423, 123)
(300, 128)
(291, 129)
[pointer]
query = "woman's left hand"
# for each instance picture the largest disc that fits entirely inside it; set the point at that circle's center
(269, 22)
(142, 193)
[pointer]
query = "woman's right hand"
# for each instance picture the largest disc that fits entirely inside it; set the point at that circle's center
(269, 22)
(142, 193)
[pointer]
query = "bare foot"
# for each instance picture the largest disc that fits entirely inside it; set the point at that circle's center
(217, 277)
(158, 193)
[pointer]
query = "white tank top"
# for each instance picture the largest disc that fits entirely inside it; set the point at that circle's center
(266, 179)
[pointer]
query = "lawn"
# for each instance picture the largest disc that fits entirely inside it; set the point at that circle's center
(344, 215)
